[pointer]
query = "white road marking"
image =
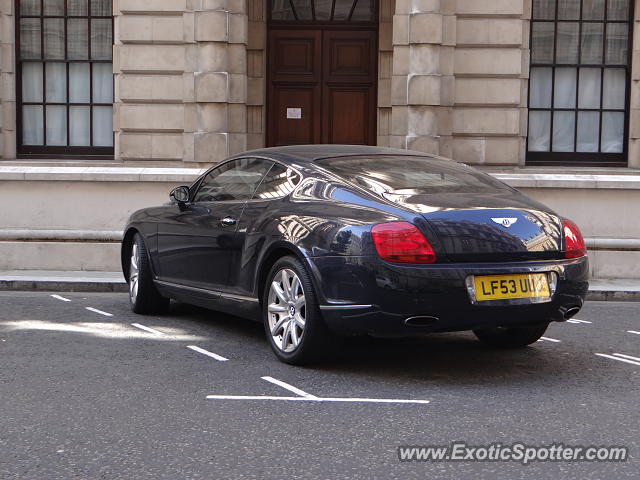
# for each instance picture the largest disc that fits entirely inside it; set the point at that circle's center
(59, 297)
(220, 358)
(572, 321)
(636, 359)
(316, 399)
(106, 314)
(549, 339)
(576, 320)
(618, 358)
(147, 329)
(633, 331)
(291, 388)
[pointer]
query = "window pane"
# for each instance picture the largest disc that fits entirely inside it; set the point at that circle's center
(79, 124)
(32, 82)
(544, 9)
(542, 42)
(303, 9)
(79, 82)
(617, 43)
(540, 88)
(29, 7)
(565, 88)
(342, 9)
(364, 11)
(564, 124)
(101, 40)
(323, 9)
(593, 10)
(279, 182)
(101, 8)
(54, 7)
(56, 125)
(77, 39)
(569, 10)
(76, 8)
(612, 132)
(30, 38)
(539, 128)
(613, 95)
(102, 83)
(567, 49)
(618, 10)
(103, 126)
(281, 10)
(591, 50)
(54, 38)
(32, 125)
(589, 90)
(588, 128)
(56, 82)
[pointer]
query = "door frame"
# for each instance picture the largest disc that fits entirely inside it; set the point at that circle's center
(322, 26)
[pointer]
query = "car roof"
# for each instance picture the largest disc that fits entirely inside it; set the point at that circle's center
(310, 153)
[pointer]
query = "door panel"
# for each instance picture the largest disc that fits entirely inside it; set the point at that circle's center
(347, 116)
(296, 119)
(322, 86)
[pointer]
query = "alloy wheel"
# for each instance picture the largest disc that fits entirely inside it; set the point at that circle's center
(134, 272)
(286, 310)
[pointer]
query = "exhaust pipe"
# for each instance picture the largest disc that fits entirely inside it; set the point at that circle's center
(421, 321)
(571, 311)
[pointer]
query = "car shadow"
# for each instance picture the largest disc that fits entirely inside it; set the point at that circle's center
(456, 357)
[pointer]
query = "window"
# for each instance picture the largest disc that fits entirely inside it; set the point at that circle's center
(65, 79)
(232, 181)
(280, 181)
(579, 82)
(323, 10)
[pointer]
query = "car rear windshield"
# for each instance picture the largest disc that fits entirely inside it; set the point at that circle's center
(405, 175)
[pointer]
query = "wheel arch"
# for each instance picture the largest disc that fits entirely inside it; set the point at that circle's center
(275, 253)
(125, 250)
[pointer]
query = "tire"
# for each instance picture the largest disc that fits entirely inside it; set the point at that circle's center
(143, 295)
(291, 316)
(511, 337)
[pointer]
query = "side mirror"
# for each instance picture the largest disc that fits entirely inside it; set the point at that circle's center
(180, 194)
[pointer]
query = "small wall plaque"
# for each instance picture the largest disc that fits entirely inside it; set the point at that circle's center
(294, 113)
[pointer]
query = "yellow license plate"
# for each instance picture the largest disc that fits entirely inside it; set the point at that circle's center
(504, 287)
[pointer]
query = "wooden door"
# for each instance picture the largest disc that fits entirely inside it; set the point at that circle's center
(322, 87)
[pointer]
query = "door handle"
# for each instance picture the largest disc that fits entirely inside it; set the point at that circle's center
(228, 222)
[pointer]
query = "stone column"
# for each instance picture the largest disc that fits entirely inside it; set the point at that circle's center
(416, 81)
(218, 63)
(7, 81)
(491, 65)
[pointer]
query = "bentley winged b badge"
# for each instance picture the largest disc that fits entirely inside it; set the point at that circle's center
(505, 222)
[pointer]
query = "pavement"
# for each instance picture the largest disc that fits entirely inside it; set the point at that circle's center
(87, 281)
(90, 390)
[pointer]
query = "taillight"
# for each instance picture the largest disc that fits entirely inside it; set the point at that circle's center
(574, 245)
(402, 242)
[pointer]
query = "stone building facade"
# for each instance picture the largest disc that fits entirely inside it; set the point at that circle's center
(507, 85)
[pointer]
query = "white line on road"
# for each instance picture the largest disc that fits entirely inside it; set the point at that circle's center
(549, 339)
(618, 358)
(150, 330)
(60, 297)
(220, 358)
(636, 359)
(106, 314)
(633, 331)
(575, 320)
(316, 399)
(291, 388)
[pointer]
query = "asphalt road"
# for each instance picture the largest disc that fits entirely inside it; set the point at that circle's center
(89, 396)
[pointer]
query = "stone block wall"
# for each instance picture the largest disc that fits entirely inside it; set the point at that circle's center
(7, 81)
(181, 79)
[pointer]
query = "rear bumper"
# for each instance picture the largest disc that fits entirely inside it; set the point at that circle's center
(366, 295)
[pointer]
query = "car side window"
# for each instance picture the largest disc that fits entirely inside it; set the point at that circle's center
(235, 180)
(280, 181)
